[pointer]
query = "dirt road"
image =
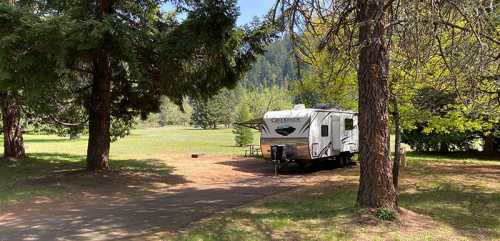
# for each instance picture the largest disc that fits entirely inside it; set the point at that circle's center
(124, 205)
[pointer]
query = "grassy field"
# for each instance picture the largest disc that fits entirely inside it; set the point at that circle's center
(444, 197)
(144, 151)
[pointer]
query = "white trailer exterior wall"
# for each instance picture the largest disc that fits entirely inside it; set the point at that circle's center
(310, 134)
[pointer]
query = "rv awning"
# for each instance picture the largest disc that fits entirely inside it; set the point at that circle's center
(254, 123)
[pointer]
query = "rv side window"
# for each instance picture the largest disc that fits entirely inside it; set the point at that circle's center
(348, 124)
(324, 130)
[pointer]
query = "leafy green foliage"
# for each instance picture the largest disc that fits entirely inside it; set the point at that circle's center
(328, 78)
(442, 124)
(261, 100)
(216, 110)
(385, 214)
(171, 114)
(419, 140)
(317, 88)
(243, 135)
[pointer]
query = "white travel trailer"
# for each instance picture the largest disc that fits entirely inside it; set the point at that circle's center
(305, 135)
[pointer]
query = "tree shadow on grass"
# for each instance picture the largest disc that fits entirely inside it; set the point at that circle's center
(112, 219)
(266, 168)
(433, 168)
(473, 213)
(44, 174)
(289, 216)
(52, 140)
(457, 156)
(459, 194)
(107, 216)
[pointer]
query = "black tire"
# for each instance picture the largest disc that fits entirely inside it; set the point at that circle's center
(341, 160)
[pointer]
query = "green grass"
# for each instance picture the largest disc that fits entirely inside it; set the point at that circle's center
(457, 201)
(144, 151)
(303, 218)
(146, 142)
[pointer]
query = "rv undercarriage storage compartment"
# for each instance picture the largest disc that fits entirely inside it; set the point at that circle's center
(278, 152)
(279, 156)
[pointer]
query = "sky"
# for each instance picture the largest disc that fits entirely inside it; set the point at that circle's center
(251, 8)
(248, 9)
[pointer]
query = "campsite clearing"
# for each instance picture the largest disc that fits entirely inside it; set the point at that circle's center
(157, 191)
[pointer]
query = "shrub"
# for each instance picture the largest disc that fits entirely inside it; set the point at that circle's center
(385, 214)
(421, 141)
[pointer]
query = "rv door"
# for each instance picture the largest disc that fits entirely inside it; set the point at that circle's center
(335, 134)
(348, 138)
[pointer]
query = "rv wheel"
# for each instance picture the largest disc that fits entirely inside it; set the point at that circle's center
(343, 160)
(300, 164)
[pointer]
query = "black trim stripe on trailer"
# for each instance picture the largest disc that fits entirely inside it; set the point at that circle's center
(305, 128)
(265, 128)
(325, 149)
(326, 116)
(306, 125)
(309, 123)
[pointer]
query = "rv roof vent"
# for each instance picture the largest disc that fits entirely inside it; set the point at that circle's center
(299, 107)
(323, 106)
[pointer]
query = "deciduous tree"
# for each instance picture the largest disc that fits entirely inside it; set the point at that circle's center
(366, 28)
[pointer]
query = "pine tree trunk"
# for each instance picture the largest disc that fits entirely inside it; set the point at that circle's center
(489, 146)
(99, 120)
(397, 144)
(444, 148)
(12, 129)
(100, 107)
(376, 187)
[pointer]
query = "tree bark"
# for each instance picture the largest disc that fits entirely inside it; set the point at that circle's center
(100, 115)
(444, 148)
(376, 188)
(100, 104)
(12, 128)
(397, 144)
(489, 146)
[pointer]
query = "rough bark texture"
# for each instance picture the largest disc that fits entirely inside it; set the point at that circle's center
(12, 128)
(100, 107)
(397, 144)
(376, 187)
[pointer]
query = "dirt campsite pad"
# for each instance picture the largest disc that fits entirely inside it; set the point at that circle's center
(124, 204)
(439, 200)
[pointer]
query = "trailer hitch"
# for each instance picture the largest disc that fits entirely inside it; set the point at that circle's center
(278, 155)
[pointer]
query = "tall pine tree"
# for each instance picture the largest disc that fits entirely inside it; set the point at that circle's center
(243, 135)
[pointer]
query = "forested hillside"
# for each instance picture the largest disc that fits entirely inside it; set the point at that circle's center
(275, 67)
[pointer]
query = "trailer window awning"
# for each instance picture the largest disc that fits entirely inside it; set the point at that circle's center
(254, 123)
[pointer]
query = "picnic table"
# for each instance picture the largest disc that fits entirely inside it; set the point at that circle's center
(252, 150)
